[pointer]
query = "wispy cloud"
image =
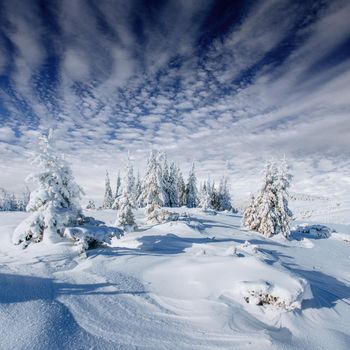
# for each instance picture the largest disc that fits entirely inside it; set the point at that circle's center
(229, 90)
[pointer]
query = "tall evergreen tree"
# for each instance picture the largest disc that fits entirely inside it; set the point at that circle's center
(181, 188)
(55, 203)
(125, 214)
(224, 195)
(151, 194)
(118, 192)
(165, 181)
(205, 196)
(108, 197)
(173, 194)
(191, 189)
(138, 191)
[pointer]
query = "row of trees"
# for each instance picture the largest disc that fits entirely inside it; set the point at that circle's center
(10, 202)
(162, 186)
(166, 186)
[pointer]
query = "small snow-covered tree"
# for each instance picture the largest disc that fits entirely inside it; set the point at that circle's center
(91, 205)
(181, 189)
(125, 214)
(204, 197)
(55, 203)
(269, 213)
(117, 192)
(108, 197)
(172, 186)
(191, 189)
(250, 214)
(138, 191)
(151, 189)
(224, 197)
(164, 179)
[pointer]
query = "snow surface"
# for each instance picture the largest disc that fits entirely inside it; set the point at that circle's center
(201, 282)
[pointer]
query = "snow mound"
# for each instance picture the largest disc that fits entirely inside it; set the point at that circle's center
(247, 280)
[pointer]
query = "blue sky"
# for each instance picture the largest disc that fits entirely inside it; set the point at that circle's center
(227, 83)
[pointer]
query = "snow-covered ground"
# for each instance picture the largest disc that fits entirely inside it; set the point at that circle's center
(199, 283)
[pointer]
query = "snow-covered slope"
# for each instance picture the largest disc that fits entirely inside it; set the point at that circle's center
(199, 283)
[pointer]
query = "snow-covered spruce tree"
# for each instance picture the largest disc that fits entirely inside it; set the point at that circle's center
(55, 203)
(269, 213)
(151, 194)
(191, 189)
(181, 188)
(108, 197)
(164, 177)
(224, 195)
(172, 186)
(204, 197)
(117, 194)
(250, 214)
(125, 216)
(138, 191)
(283, 180)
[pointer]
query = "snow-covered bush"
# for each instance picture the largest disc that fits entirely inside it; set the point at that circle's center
(314, 231)
(263, 293)
(91, 233)
(268, 213)
(158, 216)
(55, 203)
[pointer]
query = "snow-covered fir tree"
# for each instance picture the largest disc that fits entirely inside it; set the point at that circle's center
(138, 191)
(108, 197)
(172, 188)
(118, 191)
(151, 194)
(283, 180)
(269, 213)
(224, 197)
(55, 203)
(250, 214)
(165, 179)
(125, 216)
(205, 196)
(181, 188)
(191, 189)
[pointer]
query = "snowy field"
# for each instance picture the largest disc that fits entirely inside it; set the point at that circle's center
(202, 282)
